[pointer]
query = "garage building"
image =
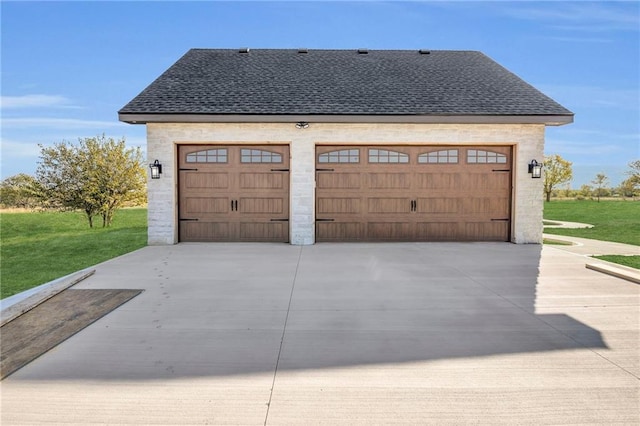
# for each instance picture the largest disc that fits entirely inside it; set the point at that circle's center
(305, 146)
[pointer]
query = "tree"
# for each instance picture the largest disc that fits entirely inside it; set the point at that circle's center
(97, 175)
(21, 190)
(634, 173)
(556, 172)
(600, 183)
(628, 188)
(585, 191)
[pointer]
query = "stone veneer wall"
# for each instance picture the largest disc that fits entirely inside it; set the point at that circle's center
(162, 139)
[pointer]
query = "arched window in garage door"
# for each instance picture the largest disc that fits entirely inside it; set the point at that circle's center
(259, 156)
(478, 156)
(340, 156)
(445, 156)
(219, 155)
(387, 156)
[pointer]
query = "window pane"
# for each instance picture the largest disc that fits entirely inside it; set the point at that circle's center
(342, 156)
(386, 156)
(485, 157)
(208, 156)
(259, 156)
(449, 156)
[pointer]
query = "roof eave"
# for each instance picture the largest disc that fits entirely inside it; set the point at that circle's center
(548, 120)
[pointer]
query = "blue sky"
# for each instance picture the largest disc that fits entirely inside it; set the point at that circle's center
(67, 67)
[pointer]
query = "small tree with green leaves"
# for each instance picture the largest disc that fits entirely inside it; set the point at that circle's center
(97, 176)
(600, 183)
(557, 171)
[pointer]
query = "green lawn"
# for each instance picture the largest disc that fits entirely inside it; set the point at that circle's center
(631, 261)
(42, 246)
(617, 221)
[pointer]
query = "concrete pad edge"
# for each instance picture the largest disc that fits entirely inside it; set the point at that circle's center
(12, 312)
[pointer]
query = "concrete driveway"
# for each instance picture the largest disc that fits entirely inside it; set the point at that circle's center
(442, 333)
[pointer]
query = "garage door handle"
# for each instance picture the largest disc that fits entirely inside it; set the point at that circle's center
(188, 170)
(325, 220)
(325, 170)
(499, 220)
(188, 220)
(279, 170)
(501, 170)
(279, 220)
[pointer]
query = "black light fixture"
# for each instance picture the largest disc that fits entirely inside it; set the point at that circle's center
(156, 169)
(535, 169)
(302, 125)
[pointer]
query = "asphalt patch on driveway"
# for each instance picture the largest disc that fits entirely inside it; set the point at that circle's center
(54, 321)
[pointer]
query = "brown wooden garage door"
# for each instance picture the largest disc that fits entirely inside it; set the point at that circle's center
(413, 193)
(234, 193)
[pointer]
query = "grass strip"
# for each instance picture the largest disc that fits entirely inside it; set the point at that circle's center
(38, 247)
(630, 261)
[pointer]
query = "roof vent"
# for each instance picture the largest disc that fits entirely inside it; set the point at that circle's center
(243, 50)
(363, 51)
(303, 50)
(424, 52)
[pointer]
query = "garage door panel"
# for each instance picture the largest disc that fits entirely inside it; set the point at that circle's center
(263, 231)
(205, 231)
(266, 206)
(487, 231)
(438, 231)
(437, 180)
(497, 207)
(389, 231)
(207, 205)
(386, 205)
(389, 180)
(340, 231)
(206, 180)
(268, 180)
(332, 180)
(439, 205)
(343, 205)
(486, 181)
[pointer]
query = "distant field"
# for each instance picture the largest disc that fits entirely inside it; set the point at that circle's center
(617, 221)
(38, 247)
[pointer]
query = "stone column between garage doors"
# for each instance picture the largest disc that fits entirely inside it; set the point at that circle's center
(302, 189)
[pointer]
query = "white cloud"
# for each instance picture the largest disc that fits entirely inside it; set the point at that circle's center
(576, 39)
(594, 97)
(580, 16)
(581, 148)
(58, 123)
(35, 101)
(19, 149)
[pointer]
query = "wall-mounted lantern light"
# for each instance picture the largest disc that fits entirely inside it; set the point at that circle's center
(535, 169)
(156, 169)
(302, 125)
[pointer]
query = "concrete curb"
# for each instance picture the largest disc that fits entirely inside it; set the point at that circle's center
(566, 225)
(12, 312)
(615, 271)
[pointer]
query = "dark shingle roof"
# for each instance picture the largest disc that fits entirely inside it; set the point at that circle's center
(339, 82)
